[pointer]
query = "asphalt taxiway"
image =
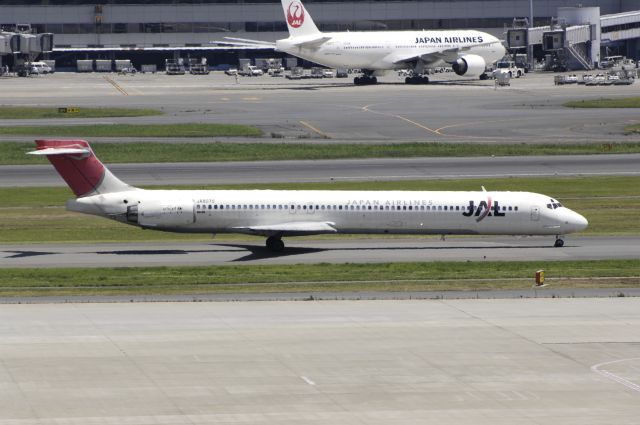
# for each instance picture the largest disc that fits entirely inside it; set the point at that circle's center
(516, 362)
(345, 250)
(340, 170)
(451, 109)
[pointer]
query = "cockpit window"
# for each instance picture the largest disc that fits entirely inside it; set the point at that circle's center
(554, 205)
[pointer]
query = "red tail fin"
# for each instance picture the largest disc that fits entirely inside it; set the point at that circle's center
(75, 162)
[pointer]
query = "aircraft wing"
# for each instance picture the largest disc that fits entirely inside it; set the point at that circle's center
(222, 46)
(433, 55)
(294, 228)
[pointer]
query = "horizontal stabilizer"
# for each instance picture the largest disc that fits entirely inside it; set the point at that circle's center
(62, 150)
(238, 45)
(250, 41)
(244, 43)
(295, 228)
(313, 42)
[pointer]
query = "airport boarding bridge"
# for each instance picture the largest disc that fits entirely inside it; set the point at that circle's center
(576, 35)
(24, 46)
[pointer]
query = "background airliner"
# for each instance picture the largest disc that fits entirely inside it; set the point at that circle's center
(279, 213)
(467, 51)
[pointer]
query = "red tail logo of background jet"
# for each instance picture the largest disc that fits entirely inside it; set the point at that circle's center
(295, 14)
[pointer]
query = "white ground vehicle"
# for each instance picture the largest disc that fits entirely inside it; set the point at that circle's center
(327, 73)
(510, 68)
(38, 68)
(276, 72)
(251, 71)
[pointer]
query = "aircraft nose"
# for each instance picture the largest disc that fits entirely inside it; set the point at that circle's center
(577, 222)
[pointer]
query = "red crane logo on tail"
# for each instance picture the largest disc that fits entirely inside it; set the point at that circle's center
(295, 14)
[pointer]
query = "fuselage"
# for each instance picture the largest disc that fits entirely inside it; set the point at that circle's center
(384, 50)
(399, 212)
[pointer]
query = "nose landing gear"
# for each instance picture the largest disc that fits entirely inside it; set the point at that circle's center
(559, 243)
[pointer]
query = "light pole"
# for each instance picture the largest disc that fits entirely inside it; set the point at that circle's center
(529, 45)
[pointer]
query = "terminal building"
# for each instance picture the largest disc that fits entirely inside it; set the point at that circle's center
(151, 31)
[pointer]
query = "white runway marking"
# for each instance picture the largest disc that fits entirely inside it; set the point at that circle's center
(613, 376)
(307, 380)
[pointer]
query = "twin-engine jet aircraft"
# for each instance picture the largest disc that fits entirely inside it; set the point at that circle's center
(279, 213)
(468, 52)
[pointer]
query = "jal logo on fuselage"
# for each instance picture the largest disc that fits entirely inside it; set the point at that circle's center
(295, 14)
(484, 209)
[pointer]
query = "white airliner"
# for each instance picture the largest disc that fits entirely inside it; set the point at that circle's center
(374, 52)
(278, 213)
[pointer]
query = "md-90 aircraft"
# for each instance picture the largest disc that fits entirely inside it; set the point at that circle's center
(279, 213)
(468, 52)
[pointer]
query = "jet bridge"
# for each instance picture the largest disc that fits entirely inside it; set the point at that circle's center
(22, 45)
(622, 30)
(575, 36)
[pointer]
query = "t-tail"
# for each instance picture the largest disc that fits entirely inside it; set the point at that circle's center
(298, 19)
(79, 167)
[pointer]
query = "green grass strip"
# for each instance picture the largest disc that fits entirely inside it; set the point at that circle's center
(28, 112)
(13, 153)
(625, 102)
(632, 129)
(134, 130)
(432, 276)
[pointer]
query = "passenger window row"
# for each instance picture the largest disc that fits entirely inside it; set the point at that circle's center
(448, 208)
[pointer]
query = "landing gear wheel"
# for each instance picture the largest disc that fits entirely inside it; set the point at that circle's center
(559, 243)
(275, 244)
(416, 79)
(365, 80)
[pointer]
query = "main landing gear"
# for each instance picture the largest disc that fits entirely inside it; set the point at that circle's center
(559, 243)
(275, 244)
(365, 80)
(417, 79)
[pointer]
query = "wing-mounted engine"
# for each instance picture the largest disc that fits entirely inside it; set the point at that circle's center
(469, 65)
(162, 214)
